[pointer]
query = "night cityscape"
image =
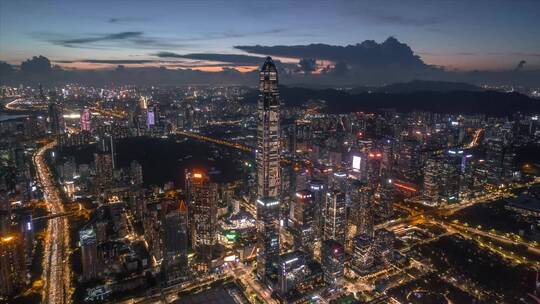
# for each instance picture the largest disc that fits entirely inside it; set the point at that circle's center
(237, 152)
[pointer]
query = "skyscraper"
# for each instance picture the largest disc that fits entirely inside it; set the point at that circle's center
(267, 153)
(202, 204)
(335, 221)
(104, 162)
(268, 167)
(175, 264)
(267, 235)
(56, 118)
(303, 217)
(332, 259)
(88, 240)
(86, 117)
(12, 267)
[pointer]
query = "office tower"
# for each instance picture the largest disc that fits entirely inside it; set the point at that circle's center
(22, 175)
(317, 189)
(104, 162)
(362, 207)
(432, 180)
(175, 263)
(452, 167)
(495, 161)
(291, 270)
(268, 168)
(267, 154)
(303, 218)
(363, 252)
(86, 117)
(386, 197)
(151, 116)
(12, 264)
(374, 159)
(267, 235)
(202, 205)
(57, 124)
(409, 161)
(335, 211)
(89, 256)
(332, 260)
(387, 160)
(384, 242)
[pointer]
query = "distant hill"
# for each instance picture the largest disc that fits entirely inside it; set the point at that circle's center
(428, 86)
(463, 102)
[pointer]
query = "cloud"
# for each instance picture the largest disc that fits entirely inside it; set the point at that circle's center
(369, 54)
(405, 21)
(520, 65)
(229, 58)
(111, 40)
(124, 20)
(110, 61)
(108, 37)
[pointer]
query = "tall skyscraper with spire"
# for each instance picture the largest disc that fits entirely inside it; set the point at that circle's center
(267, 156)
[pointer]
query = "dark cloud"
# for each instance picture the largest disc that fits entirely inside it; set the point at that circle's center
(369, 54)
(98, 38)
(308, 65)
(229, 58)
(520, 65)
(121, 20)
(113, 40)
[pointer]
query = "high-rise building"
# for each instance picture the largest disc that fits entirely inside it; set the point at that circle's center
(332, 260)
(175, 262)
(363, 252)
(202, 205)
(499, 161)
(89, 255)
(317, 188)
(362, 207)
(57, 124)
(267, 153)
(303, 218)
(104, 162)
(12, 265)
(267, 235)
(268, 168)
(335, 216)
(86, 117)
(291, 270)
(409, 161)
(386, 194)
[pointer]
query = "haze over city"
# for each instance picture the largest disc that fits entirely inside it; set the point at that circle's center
(264, 152)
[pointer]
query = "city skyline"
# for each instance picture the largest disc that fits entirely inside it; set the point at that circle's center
(182, 152)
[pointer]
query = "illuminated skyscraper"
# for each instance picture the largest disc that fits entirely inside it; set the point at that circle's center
(268, 132)
(56, 118)
(104, 161)
(335, 221)
(303, 218)
(332, 259)
(202, 205)
(175, 263)
(267, 235)
(86, 117)
(268, 168)
(12, 267)
(89, 255)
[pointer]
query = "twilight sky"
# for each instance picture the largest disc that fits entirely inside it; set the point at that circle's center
(464, 35)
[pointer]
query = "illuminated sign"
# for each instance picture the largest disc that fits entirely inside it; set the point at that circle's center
(356, 162)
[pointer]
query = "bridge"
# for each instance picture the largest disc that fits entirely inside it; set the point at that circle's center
(216, 141)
